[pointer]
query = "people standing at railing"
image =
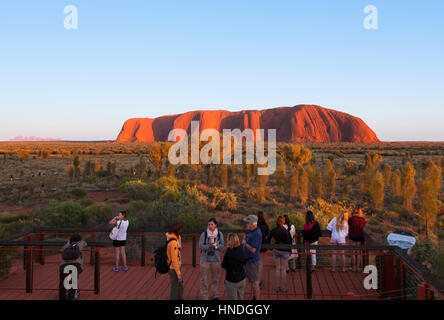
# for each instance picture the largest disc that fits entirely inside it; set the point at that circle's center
(174, 260)
(294, 252)
(211, 243)
(252, 243)
(263, 225)
(356, 225)
(311, 234)
(281, 236)
(71, 255)
(122, 223)
(339, 231)
(234, 264)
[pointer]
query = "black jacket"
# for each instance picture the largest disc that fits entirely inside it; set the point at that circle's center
(313, 234)
(233, 263)
(265, 231)
(281, 236)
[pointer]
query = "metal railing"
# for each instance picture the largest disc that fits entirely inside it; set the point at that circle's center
(400, 277)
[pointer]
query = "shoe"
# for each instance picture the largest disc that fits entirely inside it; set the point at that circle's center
(116, 269)
(125, 268)
(261, 285)
(284, 289)
(77, 295)
(277, 289)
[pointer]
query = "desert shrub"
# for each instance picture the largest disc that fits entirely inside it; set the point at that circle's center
(139, 190)
(8, 218)
(221, 200)
(98, 216)
(86, 202)
(431, 257)
(78, 192)
(69, 214)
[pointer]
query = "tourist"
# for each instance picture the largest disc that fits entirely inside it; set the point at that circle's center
(311, 234)
(121, 222)
(281, 236)
(233, 263)
(71, 255)
(211, 243)
(174, 260)
(356, 225)
(294, 252)
(252, 243)
(262, 224)
(339, 231)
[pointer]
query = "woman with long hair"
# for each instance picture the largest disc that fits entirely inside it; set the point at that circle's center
(311, 233)
(339, 231)
(122, 223)
(233, 263)
(174, 245)
(211, 244)
(356, 235)
(281, 256)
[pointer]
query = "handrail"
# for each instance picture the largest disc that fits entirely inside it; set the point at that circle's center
(46, 243)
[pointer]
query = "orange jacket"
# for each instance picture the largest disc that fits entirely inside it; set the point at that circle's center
(173, 252)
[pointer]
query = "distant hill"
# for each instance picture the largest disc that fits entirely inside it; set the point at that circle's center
(33, 138)
(301, 123)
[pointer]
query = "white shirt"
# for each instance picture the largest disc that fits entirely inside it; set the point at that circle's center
(123, 226)
(337, 236)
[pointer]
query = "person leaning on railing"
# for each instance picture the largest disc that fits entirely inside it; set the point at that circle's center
(311, 234)
(75, 240)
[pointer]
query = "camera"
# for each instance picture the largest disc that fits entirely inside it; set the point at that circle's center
(210, 252)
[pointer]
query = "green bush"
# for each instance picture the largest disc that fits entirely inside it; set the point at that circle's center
(86, 202)
(78, 192)
(69, 214)
(98, 216)
(139, 190)
(221, 200)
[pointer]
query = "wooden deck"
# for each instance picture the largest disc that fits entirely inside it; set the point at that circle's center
(139, 282)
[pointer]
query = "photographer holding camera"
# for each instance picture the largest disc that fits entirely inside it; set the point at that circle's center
(211, 243)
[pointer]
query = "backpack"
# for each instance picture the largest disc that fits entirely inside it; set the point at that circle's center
(161, 260)
(71, 252)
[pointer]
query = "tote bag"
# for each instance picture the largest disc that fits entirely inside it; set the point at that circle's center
(114, 232)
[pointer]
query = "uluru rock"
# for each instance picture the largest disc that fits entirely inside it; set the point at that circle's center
(301, 123)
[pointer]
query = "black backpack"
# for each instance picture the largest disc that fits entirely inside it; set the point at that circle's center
(71, 252)
(161, 259)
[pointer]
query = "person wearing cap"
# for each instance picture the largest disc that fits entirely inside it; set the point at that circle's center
(252, 245)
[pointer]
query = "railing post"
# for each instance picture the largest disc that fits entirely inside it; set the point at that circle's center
(194, 249)
(97, 270)
(421, 292)
(29, 270)
(350, 296)
(91, 254)
(41, 252)
(299, 258)
(25, 252)
(308, 274)
(142, 248)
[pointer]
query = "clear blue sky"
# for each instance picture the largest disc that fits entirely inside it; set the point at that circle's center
(149, 58)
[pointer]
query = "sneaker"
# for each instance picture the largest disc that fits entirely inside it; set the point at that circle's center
(284, 289)
(277, 289)
(125, 268)
(77, 294)
(116, 269)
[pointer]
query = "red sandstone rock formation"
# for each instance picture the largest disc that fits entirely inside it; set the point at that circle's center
(302, 123)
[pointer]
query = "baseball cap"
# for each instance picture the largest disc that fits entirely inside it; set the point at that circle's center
(250, 219)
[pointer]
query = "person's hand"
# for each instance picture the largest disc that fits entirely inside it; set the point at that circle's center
(244, 242)
(212, 245)
(179, 278)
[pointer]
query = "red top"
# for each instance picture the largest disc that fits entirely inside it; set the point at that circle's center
(356, 226)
